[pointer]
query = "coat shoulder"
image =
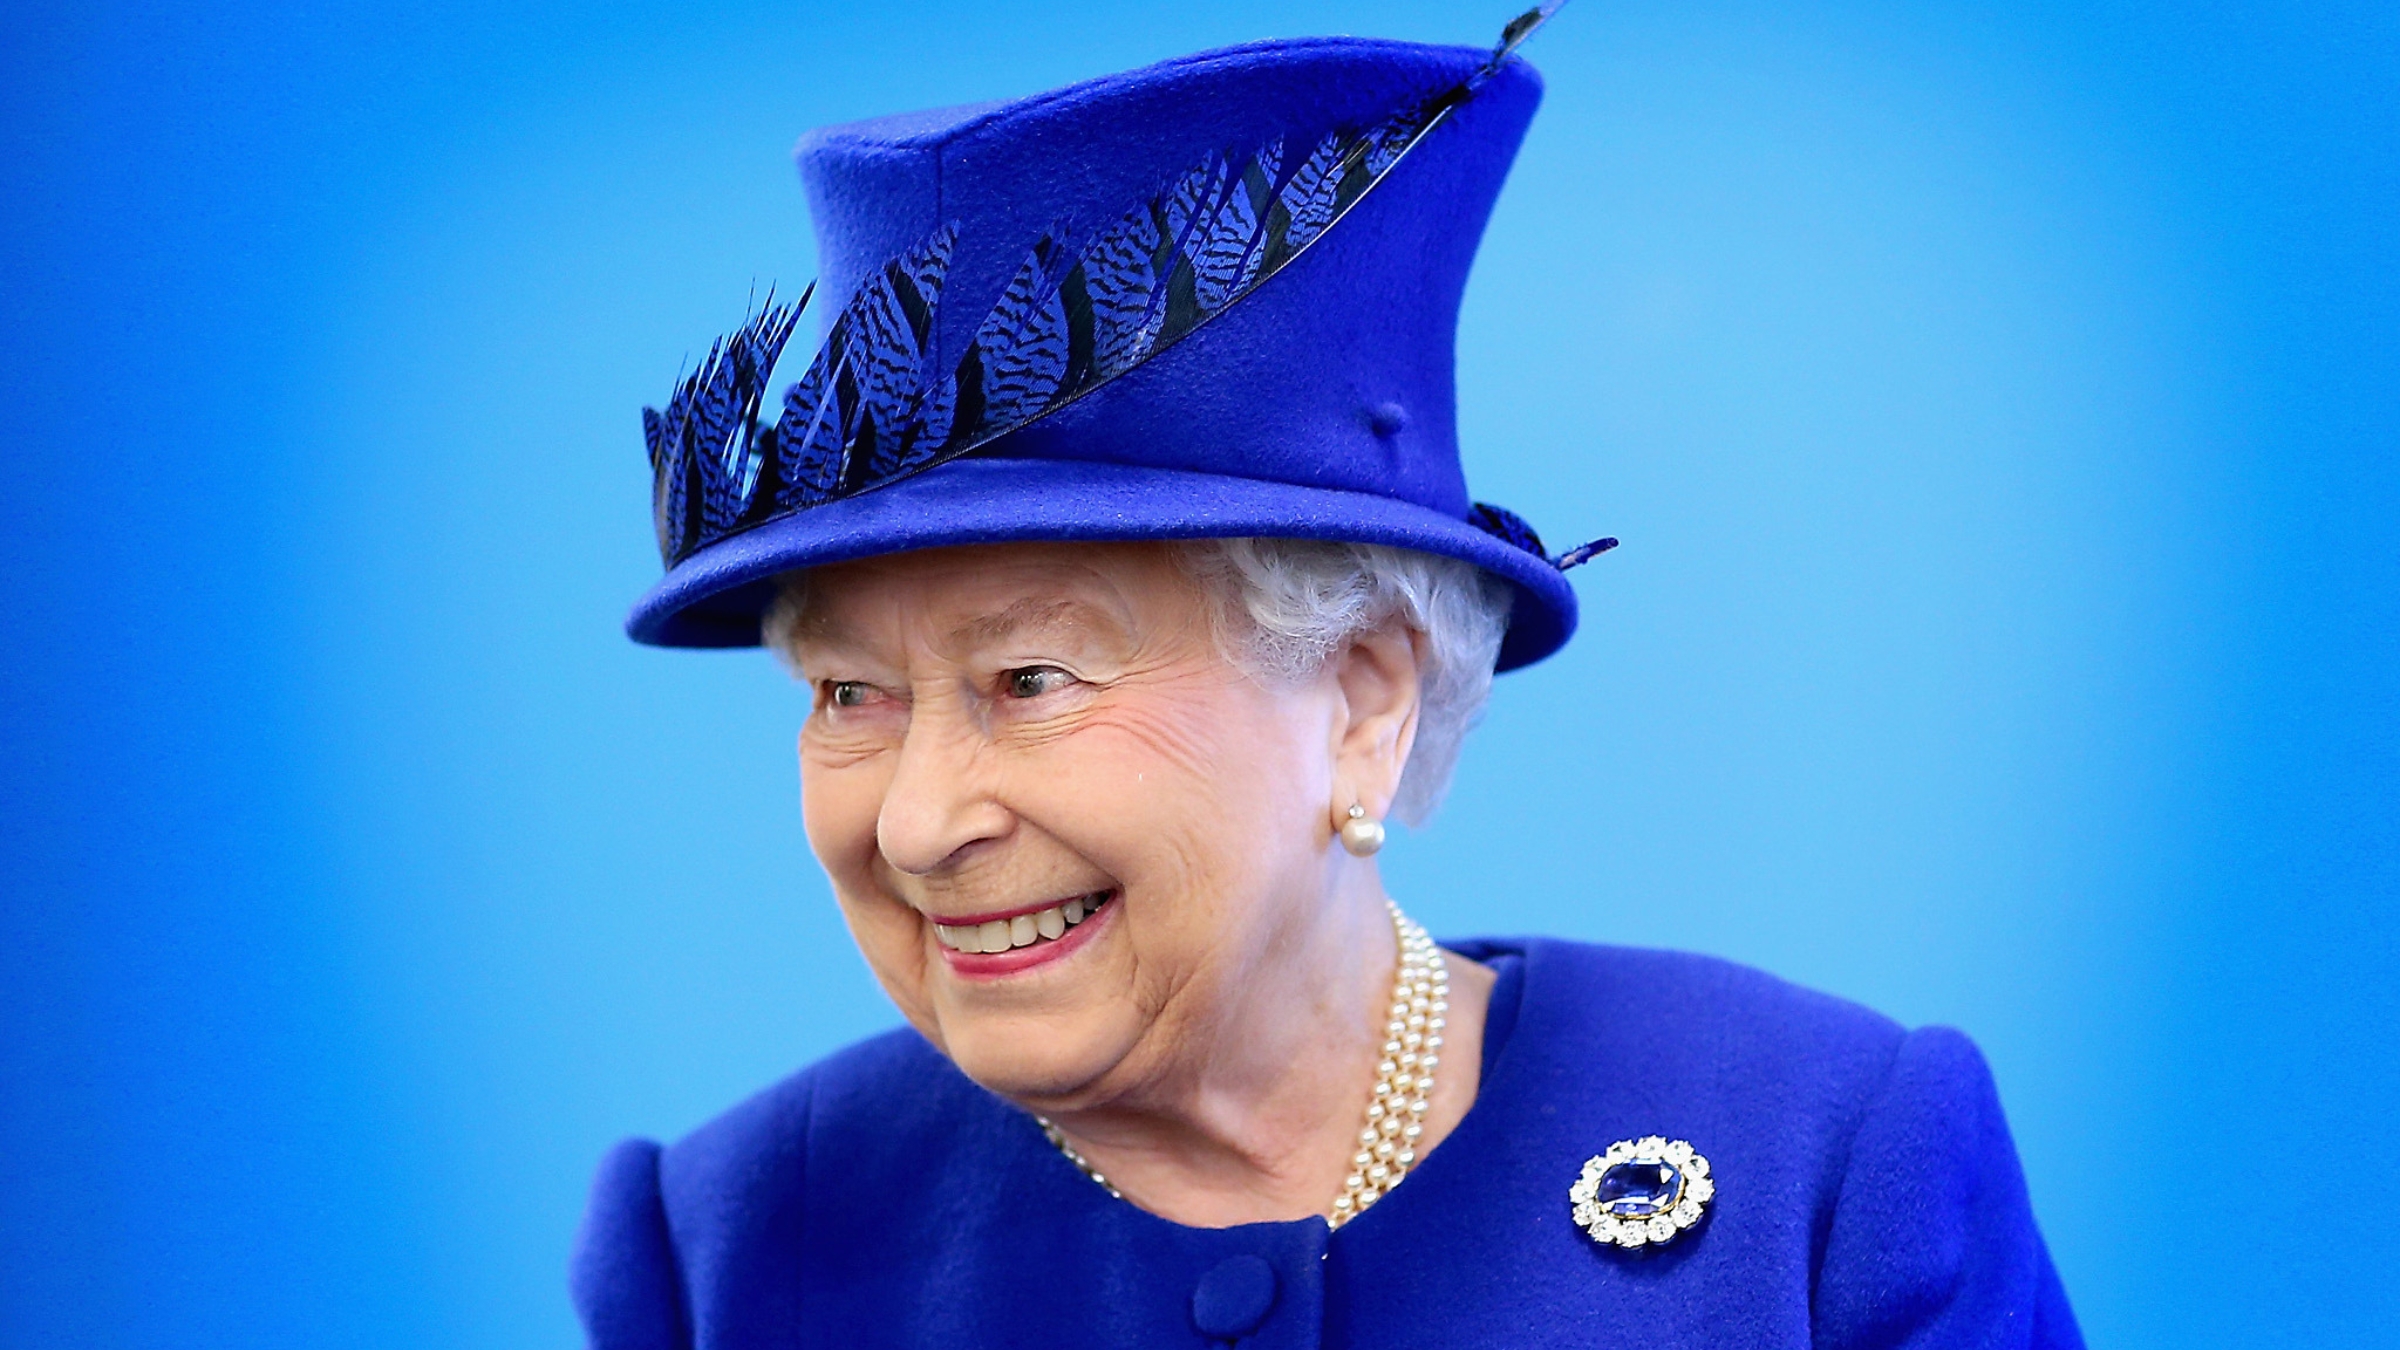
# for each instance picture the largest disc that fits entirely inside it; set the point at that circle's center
(889, 1096)
(1693, 1011)
(768, 1132)
(684, 1243)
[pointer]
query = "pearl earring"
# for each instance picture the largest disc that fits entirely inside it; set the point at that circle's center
(1360, 835)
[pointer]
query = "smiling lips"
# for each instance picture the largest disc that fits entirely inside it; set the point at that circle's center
(1022, 930)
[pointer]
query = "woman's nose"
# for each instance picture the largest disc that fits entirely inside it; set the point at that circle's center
(938, 804)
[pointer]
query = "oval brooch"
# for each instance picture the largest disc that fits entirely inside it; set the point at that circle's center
(1641, 1192)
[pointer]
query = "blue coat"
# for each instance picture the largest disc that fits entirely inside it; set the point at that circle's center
(1867, 1195)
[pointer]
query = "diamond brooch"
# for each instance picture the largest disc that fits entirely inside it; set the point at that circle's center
(1641, 1192)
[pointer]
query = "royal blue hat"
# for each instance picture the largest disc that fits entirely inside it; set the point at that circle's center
(1215, 297)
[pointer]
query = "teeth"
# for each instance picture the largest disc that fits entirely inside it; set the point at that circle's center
(1002, 935)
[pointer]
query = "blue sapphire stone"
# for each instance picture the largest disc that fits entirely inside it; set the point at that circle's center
(1641, 1189)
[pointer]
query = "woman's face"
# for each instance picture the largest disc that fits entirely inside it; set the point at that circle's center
(1063, 828)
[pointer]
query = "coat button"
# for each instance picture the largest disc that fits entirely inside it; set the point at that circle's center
(1234, 1298)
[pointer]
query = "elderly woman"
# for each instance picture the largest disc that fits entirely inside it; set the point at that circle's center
(1118, 533)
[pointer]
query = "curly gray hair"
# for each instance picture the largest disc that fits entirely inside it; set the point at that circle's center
(1289, 605)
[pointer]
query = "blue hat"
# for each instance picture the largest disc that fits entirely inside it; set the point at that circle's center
(1215, 297)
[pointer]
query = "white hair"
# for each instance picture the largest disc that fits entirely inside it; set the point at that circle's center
(1287, 606)
(1305, 599)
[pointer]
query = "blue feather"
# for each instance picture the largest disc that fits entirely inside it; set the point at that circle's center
(1506, 526)
(1224, 246)
(1388, 142)
(1304, 205)
(1512, 36)
(866, 386)
(654, 438)
(658, 436)
(1188, 201)
(889, 330)
(935, 419)
(1120, 276)
(759, 347)
(1021, 353)
(703, 449)
(1581, 554)
(811, 434)
(724, 417)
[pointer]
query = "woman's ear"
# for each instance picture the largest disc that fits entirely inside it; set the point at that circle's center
(1377, 677)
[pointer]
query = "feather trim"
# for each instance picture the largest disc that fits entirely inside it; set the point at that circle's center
(705, 457)
(1582, 553)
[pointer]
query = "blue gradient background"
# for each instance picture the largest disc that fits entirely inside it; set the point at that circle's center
(1997, 403)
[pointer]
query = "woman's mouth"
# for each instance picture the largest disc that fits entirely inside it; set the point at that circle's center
(1024, 930)
(1003, 946)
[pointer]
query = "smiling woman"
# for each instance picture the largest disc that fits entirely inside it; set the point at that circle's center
(1132, 602)
(1007, 740)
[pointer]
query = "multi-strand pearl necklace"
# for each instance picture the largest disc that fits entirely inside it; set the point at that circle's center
(1412, 1050)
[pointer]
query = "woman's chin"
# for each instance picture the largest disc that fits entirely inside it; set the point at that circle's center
(1030, 1058)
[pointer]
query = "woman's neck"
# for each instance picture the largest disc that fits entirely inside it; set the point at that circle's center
(1253, 1116)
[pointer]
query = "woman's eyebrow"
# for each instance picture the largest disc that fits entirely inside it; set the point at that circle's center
(1052, 615)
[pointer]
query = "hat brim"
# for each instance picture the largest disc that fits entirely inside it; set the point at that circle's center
(714, 598)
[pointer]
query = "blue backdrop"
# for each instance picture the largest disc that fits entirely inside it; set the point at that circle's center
(1997, 403)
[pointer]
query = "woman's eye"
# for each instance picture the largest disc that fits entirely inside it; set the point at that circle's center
(847, 693)
(1035, 681)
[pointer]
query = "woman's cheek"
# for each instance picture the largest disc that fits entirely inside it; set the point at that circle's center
(839, 805)
(841, 797)
(1136, 793)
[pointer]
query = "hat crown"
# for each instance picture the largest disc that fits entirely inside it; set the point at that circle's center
(1336, 372)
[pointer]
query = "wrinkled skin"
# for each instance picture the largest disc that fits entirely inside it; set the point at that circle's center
(1001, 727)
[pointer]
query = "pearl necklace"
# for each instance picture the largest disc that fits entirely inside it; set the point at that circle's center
(1412, 1047)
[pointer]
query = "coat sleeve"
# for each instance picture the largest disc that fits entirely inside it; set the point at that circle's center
(623, 1274)
(1933, 1244)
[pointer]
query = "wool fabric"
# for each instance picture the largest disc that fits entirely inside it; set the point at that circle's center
(1868, 1197)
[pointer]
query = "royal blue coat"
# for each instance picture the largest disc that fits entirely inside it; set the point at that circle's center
(1867, 1195)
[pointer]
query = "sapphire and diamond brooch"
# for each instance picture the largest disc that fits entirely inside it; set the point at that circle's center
(1641, 1192)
